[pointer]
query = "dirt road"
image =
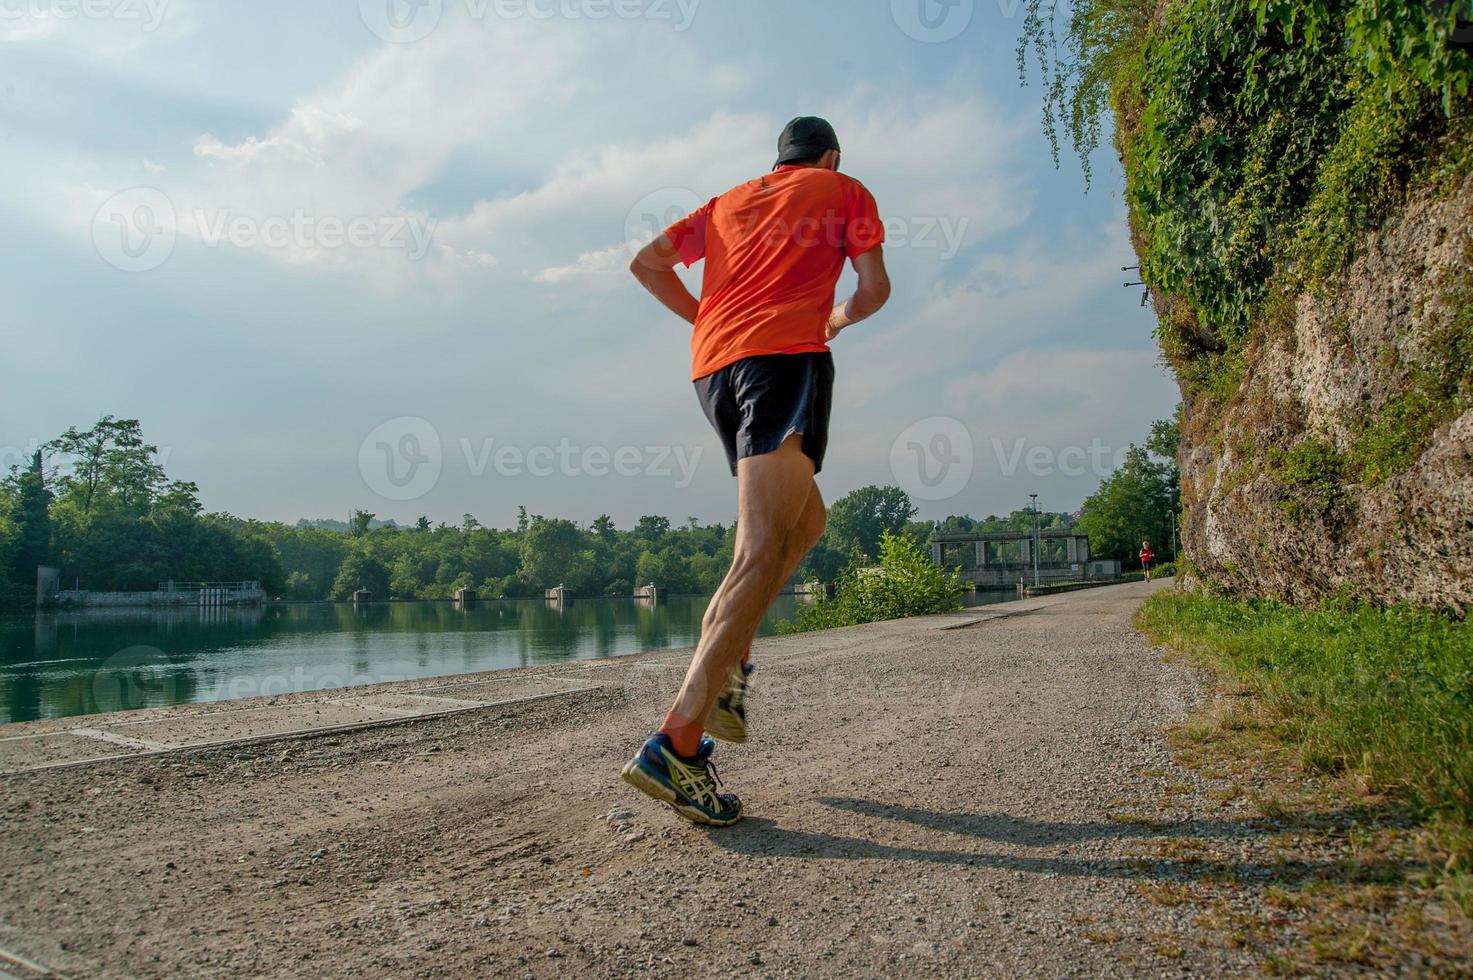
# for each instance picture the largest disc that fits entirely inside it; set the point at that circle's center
(922, 800)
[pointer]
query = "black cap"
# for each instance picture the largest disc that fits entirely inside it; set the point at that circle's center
(805, 138)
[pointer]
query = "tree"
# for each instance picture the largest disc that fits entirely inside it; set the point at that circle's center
(88, 450)
(1165, 438)
(551, 554)
(362, 521)
(111, 464)
(1135, 503)
(9, 588)
(652, 529)
(668, 569)
(32, 524)
(361, 571)
(862, 517)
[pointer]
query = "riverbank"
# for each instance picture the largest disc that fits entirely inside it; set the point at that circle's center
(989, 792)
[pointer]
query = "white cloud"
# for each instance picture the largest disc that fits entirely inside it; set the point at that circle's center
(1063, 391)
(1003, 300)
(601, 266)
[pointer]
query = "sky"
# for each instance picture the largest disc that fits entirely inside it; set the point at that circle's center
(372, 254)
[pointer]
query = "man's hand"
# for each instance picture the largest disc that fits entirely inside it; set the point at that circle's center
(654, 267)
(872, 293)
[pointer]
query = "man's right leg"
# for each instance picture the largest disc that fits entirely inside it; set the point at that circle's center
(728, 720)
(674, 766)
(774, 491)
(800, 541)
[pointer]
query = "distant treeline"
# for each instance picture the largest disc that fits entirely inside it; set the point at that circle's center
(97, 504)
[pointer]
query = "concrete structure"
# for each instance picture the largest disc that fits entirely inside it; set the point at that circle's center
(814, 590)
(651, 592)
(464, 596)
(559, 594)
(167, 594)
(362, 596)
(1002, 559)
(48, 584)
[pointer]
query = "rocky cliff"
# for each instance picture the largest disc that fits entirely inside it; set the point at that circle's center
(1342, 463)
(1300, 184)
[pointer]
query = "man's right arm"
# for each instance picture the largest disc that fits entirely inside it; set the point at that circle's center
(654, 267)
(871, 294)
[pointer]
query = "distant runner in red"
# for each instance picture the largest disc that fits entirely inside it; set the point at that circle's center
(774, 248)
(1147, 556)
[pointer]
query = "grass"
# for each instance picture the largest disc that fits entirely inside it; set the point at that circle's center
(1380, 698)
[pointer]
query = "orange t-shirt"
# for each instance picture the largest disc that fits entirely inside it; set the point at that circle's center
(774, 248)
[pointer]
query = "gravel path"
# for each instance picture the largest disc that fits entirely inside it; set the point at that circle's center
(946, 802)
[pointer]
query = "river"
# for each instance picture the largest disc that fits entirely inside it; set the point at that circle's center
(60, 664)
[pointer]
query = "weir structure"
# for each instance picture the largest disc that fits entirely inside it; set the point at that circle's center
(248, 593)
(1003, 559)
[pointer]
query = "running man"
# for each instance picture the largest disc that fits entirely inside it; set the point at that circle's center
(774, 248)
(1147, 556)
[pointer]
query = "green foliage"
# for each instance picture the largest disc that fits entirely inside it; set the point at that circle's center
(1135, 503)
(1383, 694)
(362, 571)
(1237, 116)
(859, 520)
(10, 588)
(1439, 389)
(906, 583)
(553, 554)
(856, 522)
(1081, 71)
(30, 540)
(1260, 137)
(1165, 438)
(1311, 474)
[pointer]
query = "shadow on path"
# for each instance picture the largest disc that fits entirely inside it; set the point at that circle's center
(1009, 829)
(762, 837)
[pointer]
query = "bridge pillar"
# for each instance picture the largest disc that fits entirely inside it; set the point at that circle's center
(937, 552)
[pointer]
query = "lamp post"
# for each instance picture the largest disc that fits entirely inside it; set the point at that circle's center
(1037, 538)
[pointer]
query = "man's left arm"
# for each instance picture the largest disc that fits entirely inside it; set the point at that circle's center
(872, 293)
(864, 237)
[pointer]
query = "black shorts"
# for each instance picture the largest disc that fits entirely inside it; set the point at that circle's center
(757, 403)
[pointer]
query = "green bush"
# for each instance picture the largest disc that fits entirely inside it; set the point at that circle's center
(906, 583)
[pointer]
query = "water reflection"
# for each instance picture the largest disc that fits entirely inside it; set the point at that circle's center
(57, 664)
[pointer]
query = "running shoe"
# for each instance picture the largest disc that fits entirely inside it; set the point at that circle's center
(728, 720)
(688, 786)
